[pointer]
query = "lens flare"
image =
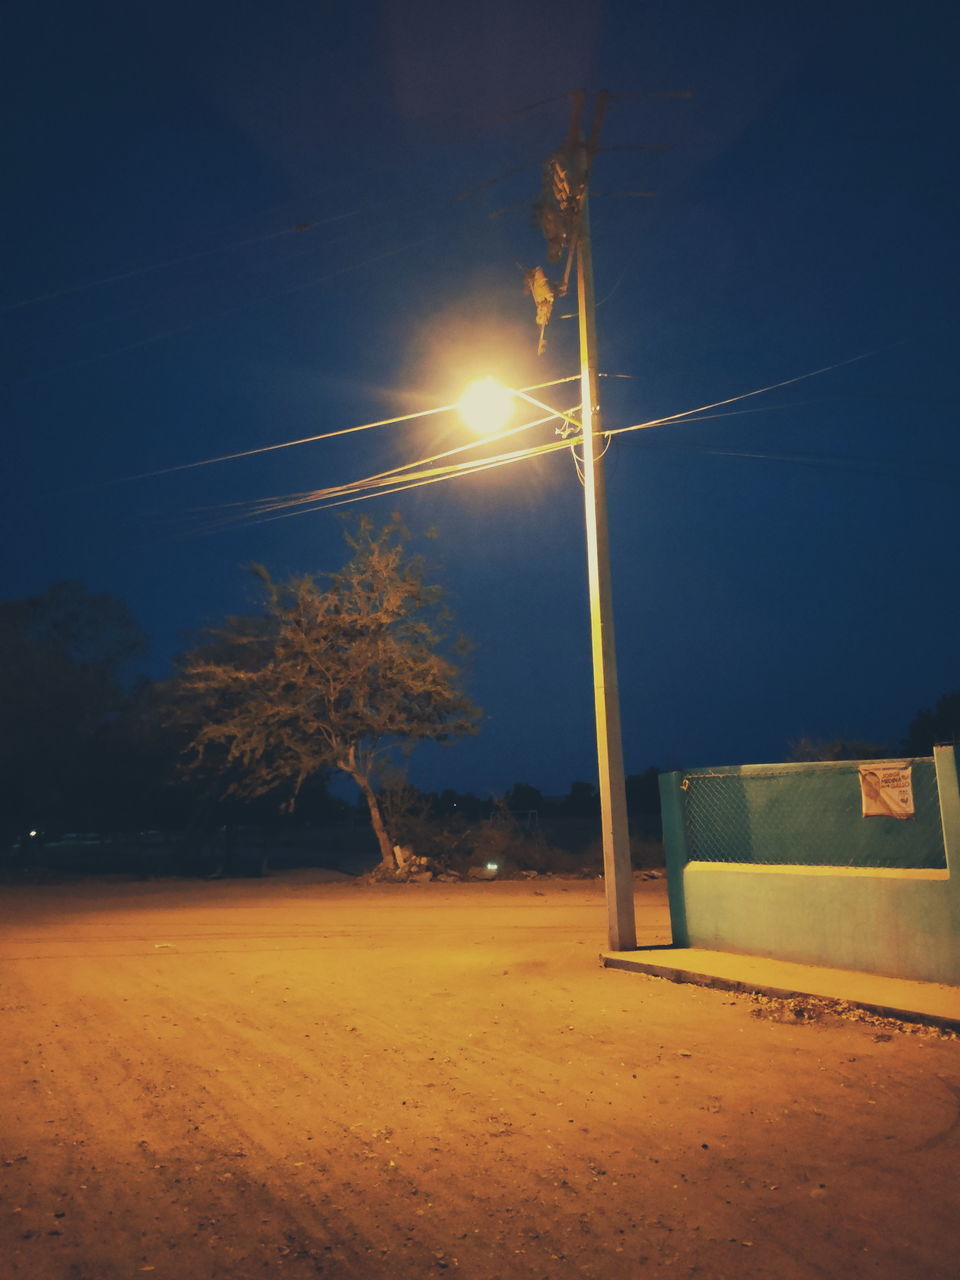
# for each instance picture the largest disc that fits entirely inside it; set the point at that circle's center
(486, 406)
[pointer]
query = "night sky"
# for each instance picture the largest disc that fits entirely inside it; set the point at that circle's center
(232, 225)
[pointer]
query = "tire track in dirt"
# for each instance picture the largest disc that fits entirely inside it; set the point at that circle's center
(446, 1095)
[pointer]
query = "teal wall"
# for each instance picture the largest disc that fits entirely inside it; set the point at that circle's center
(897, 921)
(806, 813)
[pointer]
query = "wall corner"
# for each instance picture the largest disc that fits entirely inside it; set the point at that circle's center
(675, 853)
(948, 790)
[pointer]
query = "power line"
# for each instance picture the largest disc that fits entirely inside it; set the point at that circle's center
(352, 491)
(326, 435)
(224, 311)
(388, 477)
(446, 204)
(933, 470)
(133, 272)
(686, 414)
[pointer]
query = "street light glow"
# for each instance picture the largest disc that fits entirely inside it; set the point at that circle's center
(486, 406)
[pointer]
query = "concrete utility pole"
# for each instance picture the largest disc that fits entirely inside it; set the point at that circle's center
(617, 865)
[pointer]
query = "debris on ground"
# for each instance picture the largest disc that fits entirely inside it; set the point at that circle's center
(818, 1009)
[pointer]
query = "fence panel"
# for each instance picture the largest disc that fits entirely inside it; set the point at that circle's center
(809, 815)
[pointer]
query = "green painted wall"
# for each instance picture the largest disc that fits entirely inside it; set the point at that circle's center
(904, 922)
(901, 923)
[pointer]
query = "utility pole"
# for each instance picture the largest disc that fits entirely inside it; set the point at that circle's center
(617, 865)
(564, 215)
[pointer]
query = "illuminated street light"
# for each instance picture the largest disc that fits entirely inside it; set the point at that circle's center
(486, 406)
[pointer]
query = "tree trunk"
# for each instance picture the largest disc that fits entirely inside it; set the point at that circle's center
(387, 858)
(289, 805)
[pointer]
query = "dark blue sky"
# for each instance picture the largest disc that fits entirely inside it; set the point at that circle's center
(781, 571)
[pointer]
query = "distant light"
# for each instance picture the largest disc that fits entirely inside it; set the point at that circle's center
(33, 833)
(493, 866)
(486, 406)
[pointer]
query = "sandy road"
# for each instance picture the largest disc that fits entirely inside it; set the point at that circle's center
(293, 1078)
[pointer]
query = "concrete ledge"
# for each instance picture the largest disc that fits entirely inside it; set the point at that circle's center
(924, 1002)
(805, 869)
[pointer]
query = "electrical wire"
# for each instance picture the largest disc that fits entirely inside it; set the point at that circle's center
(687, 414)
(410, 475)
(299, 228)
(224, 311)
(947, 472)
(133, 272)
(447, 203)
(170, 292)
(353, 490)
(572, 315)
(386, 477)
(326, 435)
(430, 477)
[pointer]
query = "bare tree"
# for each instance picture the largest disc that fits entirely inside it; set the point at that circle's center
(335, 676)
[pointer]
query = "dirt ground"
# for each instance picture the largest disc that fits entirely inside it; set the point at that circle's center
(293, 1078)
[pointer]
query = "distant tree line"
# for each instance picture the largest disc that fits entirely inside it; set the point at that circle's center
(527, 803)
(934, 726)
(335, 673)
(341, 672)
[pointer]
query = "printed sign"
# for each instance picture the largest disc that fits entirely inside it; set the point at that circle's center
(887, 789)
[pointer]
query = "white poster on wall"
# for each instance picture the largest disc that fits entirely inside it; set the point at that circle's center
(887, 789)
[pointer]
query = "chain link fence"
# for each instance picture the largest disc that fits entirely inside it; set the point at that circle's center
(809, 815)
